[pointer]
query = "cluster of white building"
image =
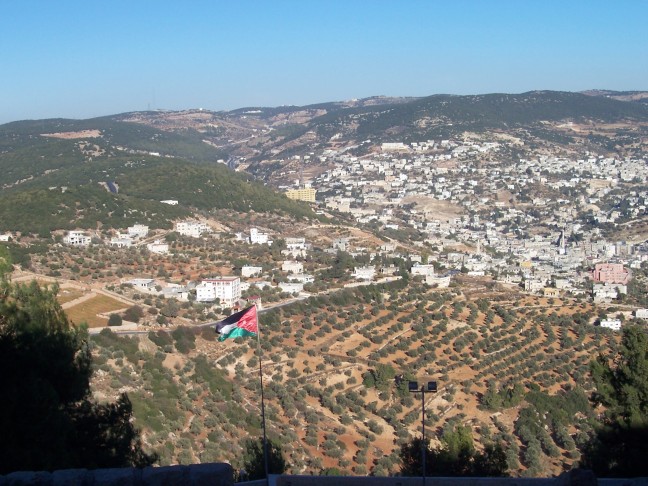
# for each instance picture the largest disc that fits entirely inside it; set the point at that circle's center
(121, 240)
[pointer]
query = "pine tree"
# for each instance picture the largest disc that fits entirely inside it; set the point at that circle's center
(619, 448)
(47, 417)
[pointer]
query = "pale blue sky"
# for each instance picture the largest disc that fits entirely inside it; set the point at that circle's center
(79, 59)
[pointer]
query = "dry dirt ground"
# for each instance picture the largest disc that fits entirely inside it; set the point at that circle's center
(435, 208)
(73, 135)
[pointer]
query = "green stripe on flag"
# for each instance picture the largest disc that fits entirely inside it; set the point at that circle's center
(236, 332)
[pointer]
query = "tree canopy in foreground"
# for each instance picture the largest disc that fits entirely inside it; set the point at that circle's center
(620, 448)
(455, 457)
(47, 417)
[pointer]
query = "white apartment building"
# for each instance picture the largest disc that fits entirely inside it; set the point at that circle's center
(227, 289)
(534, 285)
(77, 238)
(138, 231)
(259, 238)
(192, 228)
(205, 292)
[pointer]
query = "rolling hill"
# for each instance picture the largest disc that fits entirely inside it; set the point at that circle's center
(172, 155)
(56, 172)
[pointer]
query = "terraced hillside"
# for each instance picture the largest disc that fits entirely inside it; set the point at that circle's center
(513, 368)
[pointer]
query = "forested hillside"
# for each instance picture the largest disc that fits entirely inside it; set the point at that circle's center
(51, 183)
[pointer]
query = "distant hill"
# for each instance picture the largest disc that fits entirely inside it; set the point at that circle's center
(163, 154)
(275, 133)
(114, 133)
(332, 106)
(442, 115)
(40, 211)
(632, 96)
(71, 198)
(51, 171)
(204, 136)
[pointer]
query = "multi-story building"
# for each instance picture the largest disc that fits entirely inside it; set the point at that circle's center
(613, 273)
(306, 194)
(226, 289)
(259, 238)
(191, 228)
(441, 282)
(296, 244)
(77, 238)
(423, 270)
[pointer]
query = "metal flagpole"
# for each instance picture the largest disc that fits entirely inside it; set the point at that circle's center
(424, 448)
(263, 421)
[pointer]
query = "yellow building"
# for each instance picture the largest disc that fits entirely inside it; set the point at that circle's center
(550, 292)
(304, 194)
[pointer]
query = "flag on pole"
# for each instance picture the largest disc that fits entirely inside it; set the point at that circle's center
(243, 323)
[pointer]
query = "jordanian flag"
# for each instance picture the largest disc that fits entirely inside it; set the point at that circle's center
(243, 323)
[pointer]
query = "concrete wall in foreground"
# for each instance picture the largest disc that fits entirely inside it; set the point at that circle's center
(222, 475)
(194, 475)
(571, 478)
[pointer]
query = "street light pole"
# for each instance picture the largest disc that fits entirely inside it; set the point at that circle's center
(430, 386)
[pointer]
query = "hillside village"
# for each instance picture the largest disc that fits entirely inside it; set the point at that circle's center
(544, 224)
